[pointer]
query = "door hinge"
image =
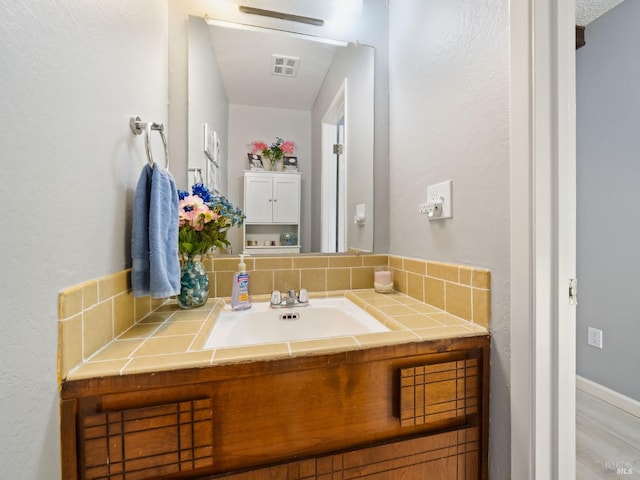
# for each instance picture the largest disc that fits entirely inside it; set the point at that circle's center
(338, 149)
(573, 291)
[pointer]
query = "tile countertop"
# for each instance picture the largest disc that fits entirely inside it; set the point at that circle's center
(170, 338)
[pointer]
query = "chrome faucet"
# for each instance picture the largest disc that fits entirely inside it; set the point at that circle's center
(290, 300)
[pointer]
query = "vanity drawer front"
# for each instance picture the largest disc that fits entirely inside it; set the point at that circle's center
(453, 455)
(439, 391)
(148, 442)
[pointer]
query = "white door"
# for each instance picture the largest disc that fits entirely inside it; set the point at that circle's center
(334, 190)
(286, 199)
(258, 199)
(341, 189)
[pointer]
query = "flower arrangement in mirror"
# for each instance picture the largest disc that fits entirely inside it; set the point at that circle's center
(203, 222)
(273, 155)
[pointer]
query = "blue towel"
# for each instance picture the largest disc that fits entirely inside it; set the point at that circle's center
(154, 239)
(140, 235)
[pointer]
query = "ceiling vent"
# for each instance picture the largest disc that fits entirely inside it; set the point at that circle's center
(284, 66)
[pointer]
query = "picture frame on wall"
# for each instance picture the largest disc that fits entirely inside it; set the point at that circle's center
(217, 182)
(210, 174)
(215, 140)
(290, 164)
(209, 148)
(255, 162)
(214, 178)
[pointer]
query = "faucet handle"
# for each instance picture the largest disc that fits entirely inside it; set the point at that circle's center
(276, 298)
(303, 296)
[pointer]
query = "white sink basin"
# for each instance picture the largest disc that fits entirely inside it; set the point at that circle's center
(323, 318)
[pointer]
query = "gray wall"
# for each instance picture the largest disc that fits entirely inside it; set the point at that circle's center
(73, 72)
(353, 63)
(248, 123)
(608, 196)
(207, 99)
(449, 118)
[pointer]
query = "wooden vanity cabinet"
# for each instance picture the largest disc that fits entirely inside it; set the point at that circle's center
(417, 410)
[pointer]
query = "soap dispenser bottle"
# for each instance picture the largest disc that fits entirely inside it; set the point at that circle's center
(240, 294)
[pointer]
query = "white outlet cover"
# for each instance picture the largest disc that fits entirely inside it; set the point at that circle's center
(594, 337)
(441, 192)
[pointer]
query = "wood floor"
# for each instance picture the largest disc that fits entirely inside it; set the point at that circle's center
(607, 440)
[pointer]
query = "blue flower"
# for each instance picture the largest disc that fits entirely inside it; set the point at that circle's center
(203, 192)
(220, 204)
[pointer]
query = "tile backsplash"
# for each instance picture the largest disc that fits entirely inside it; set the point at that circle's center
(315, 273)
(95, 312)
(458, 289)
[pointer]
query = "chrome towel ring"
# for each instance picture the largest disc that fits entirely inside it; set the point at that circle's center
(197, 174)
(138, 126)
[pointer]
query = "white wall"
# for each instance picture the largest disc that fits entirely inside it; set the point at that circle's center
(248, 123)
(207, 100)
(73, 72)
(449, 119)
(608, 173)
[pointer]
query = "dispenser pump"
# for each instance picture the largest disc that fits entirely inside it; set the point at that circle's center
(242, 267)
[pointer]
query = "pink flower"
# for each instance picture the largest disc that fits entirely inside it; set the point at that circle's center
(258, 147)
(288, 147)
(201, 217)
(192, 201)
(198, 223)
(192, 210)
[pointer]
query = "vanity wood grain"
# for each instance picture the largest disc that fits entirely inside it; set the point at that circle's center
(409, 409)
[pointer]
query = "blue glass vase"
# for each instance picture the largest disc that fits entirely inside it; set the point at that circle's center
(194, 283)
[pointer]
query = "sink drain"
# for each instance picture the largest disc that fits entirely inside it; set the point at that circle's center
(290, 316)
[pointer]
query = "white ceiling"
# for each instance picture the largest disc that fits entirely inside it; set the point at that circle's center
(244, 58)
(588, 10)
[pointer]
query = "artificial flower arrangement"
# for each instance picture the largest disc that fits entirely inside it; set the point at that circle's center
(204, 220)
(274, 152)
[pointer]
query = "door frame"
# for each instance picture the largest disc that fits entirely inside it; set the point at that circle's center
(336, 110)
(543, 242)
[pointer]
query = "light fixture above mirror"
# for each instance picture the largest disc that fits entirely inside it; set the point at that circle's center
(333, 14)
(286, 33)
(281, 15)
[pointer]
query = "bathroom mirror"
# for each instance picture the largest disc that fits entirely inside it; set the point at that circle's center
(232, 89)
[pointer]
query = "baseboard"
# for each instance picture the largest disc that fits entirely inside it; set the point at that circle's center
(612, 397)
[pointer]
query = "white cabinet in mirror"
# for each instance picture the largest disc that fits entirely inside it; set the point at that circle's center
(272, 209)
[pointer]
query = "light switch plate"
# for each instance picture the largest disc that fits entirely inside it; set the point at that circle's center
(441, 192)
